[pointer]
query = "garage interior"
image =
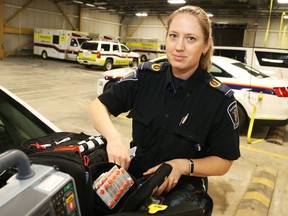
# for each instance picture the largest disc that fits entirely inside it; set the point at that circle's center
(61, 90)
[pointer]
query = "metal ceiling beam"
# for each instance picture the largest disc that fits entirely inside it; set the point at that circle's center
(17, 13)
(66, 17)
(130, 32)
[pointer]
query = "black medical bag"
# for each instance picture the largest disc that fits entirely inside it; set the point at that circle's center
(84, 157)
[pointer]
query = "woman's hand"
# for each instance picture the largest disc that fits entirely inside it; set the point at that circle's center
(179, 167)
(116, 150)
(203, 167)
(118, 153)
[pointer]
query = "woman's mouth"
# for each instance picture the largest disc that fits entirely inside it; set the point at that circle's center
(179, 57)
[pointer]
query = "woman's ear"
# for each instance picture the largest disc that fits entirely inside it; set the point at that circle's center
(207, 46)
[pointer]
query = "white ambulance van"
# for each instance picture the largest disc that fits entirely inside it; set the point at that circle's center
(147, 48)
(57, 43)
(273, 62)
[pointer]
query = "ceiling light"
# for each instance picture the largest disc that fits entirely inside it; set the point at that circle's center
(176, 1)
(142, 14)
(210, 15)
(283, 1)
(100, 3)
(285, 17)
(101, 8)
(89, 5)
(78, 2)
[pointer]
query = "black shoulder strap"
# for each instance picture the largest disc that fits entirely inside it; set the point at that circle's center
(216, 84)
(153, 67)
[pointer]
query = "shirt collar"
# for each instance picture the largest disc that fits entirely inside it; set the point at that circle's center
(189, 83)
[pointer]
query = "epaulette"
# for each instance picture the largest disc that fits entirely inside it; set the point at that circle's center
(216, 84)
(145, 66)
(154, 67)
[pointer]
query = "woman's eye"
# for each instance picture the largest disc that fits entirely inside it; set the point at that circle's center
(191, 38)
(173, 36)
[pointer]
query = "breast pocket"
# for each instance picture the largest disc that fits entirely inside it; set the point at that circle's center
(189, 141)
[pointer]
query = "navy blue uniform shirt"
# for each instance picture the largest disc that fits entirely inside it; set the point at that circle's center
(196, 120)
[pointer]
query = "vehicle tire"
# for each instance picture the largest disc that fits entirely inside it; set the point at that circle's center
(108, 65)
(135, 62)
(108, 86)
(88, 66)
(44, 55)
(243, 119)
(143, 58)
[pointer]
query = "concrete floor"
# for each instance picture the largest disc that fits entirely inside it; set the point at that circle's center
(255, 185)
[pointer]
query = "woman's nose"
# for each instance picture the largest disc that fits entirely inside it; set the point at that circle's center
(180, 44)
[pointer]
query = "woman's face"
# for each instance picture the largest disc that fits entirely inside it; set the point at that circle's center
(185, 43)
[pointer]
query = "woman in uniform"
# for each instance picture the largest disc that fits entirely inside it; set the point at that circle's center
(181, 114)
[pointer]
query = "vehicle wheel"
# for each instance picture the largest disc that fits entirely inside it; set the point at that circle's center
(88, 66)
(143, 58)
(108, 86)
(135, 62)
(44, 55)
(242, 118)
(108, 65)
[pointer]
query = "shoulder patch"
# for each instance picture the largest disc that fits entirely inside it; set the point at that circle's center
(233, 114)
(132, 76)
(153, 67)
(215, 83)
(156, 67)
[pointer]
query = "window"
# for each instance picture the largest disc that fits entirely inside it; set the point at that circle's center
(89, 46)
(218, 72)
(239, 55)
(124, 49)
(105, 47)
(163, 47)
(17, 124)
(115, 47)
(272, 59)
(73, 42)
(81, 40)
(55, 39)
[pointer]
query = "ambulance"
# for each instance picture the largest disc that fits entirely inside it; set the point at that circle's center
(57, 43)
(147, 48)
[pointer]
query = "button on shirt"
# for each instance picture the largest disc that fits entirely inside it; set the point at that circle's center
(192, 121)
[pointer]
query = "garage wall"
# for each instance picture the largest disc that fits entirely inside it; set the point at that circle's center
(99, 22)
(22, 16)
(18, 32)
(25, 15)
(253, 35)
(39, 14)
(147, 27)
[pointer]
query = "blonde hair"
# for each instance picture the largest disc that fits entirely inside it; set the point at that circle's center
(205, 23)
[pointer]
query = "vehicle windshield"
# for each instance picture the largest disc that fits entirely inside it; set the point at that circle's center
(81, 41)
(250, 70)
(89, 46)
(17, 124)
(125, 49)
